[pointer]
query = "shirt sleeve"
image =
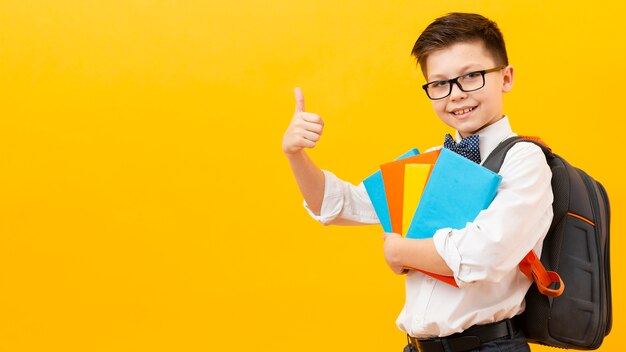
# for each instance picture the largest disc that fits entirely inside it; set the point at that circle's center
(515, 222)
(344, 203)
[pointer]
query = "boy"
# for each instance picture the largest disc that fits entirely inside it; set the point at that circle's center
(463, 58)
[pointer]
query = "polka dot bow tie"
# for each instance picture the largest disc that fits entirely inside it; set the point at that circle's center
(467, 147)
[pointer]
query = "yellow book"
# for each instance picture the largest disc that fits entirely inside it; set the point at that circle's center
(415, 178)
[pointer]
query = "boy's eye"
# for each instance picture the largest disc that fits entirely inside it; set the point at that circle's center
(439, 84)
(472, 75)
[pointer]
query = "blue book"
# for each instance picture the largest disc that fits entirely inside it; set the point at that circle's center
(457, 190)
(376, 191)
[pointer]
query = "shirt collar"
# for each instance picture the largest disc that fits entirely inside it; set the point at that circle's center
(491, 136)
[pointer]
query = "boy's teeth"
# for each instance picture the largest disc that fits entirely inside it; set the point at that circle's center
(459, 112)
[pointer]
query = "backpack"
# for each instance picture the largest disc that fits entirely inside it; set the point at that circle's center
(576, 249)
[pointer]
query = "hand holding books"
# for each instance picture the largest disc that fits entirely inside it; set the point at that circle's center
(453, 193)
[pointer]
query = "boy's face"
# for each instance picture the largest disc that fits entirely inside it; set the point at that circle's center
(468, 112)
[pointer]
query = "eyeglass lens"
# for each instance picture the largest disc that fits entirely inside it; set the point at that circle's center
(469, 82)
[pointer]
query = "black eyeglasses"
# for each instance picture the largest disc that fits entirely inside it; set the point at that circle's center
(468, 82)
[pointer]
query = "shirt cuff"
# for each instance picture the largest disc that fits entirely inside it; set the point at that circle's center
(448, 250)
(332, 202)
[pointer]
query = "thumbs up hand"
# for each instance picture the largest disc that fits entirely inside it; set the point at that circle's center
(304, 130)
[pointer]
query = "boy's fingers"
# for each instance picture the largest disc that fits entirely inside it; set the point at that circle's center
(299, 99)
(387, 235)
(302, 142)
(313, 118)
(313, 127)
(311, 136)
(300, 124)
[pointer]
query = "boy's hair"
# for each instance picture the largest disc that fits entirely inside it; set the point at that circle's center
(458, 27)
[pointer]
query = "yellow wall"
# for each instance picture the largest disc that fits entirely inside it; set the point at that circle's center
(145, 204)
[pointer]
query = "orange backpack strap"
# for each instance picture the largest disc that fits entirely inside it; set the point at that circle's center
(537, 139)
(532, 267)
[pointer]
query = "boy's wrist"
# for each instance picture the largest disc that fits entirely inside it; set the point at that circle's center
(294, 154)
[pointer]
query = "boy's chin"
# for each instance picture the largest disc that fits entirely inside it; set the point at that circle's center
(464, 126)
(465, 130)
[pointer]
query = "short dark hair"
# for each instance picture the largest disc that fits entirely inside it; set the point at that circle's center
(459, 27)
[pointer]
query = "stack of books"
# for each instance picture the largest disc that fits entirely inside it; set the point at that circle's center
(418, 194)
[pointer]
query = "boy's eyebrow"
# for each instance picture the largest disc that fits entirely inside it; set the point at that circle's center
(464, 69)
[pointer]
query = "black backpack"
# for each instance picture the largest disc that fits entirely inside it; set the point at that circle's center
(577, 248)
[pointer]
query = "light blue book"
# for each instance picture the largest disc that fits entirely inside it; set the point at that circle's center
(457, 190)
(376, 191)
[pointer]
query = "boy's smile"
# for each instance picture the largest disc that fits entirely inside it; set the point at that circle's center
(468, 112)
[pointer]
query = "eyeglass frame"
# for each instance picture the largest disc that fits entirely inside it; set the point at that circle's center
(456, 81)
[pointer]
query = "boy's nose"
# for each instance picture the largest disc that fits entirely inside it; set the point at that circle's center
(456, 92)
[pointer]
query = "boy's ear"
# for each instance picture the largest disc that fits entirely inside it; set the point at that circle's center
(507, 81)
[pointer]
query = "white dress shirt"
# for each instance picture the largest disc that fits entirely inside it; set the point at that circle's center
(483, 256)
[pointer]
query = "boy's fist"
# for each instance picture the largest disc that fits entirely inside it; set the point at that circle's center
(304, 130)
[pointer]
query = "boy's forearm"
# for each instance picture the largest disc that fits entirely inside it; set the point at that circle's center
(414, 253)
(310, 179)
(422, 254)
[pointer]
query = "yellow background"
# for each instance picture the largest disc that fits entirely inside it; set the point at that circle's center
(145, 203)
